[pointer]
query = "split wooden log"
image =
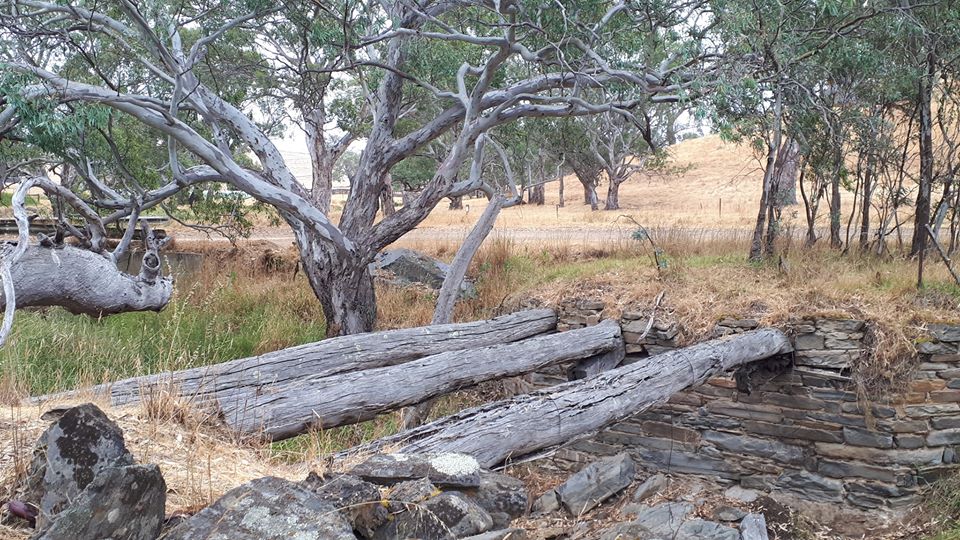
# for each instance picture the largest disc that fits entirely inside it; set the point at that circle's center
(528, 424)
(349, 398)
(233, 381)
(84, 282)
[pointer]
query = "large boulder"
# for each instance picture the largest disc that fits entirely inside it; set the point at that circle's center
(76, 448)
(121, 503)
(407, 267)
(444, 470)
(596, 483)
(358, 501)
(267, 508)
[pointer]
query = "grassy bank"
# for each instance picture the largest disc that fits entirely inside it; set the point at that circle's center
(234, 309)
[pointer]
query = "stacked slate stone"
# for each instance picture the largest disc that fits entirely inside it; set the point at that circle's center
(805, 434)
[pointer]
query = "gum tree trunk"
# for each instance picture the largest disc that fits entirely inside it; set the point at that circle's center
(613, 194)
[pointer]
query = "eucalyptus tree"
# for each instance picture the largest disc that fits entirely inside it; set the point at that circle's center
(516, 60)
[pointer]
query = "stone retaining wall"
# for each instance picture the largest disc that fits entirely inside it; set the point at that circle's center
(805, 433)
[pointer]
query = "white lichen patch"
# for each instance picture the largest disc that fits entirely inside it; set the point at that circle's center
(399, 458)
(454, 464)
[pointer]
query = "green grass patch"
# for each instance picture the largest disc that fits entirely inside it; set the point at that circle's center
(51, 350)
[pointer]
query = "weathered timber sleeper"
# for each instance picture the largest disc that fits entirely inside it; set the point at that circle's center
(496, 432)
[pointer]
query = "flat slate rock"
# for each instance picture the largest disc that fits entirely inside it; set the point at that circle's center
(267, 508)
(753, 527)
(650, 487)
(80, 444)
(448, 470)
(122, 503)
(699, 529)
(596, 483)
(664, 519)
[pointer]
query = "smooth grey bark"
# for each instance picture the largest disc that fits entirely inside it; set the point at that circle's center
(325, 358)
(450, 290)
(328, 401)
(87, 283)
(497, 432)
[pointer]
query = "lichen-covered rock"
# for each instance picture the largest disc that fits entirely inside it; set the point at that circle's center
(444, 470)
(121, 503)
(596, 483)
(358, 501)
(267, 508)
(68, 456)
(446, 516)
(504, 497)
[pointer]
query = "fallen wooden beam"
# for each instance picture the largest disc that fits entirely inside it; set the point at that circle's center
(232, 381)
(349, 398)
(496, 432)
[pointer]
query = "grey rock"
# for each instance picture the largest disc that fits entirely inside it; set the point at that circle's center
(503, 497)
(358, 501)
(628, 531)
(753, 527)
(444, 470)
(502, 534)
(863, 437)
(596, 483)
(945, 332)
(943, 437)
(651, 486)
(737, 493)
(936, 347)
(698, 529)
(805, 342)
(767, 448)
(664, 519)
(409, 267)
(728, 513)
(546, 503)
(266, 509)
(68, 456)
(446, 516)
(121, 503)
(840, 325)
(412, 491)
(811, 486)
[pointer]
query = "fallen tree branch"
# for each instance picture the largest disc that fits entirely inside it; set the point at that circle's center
(227, 382)
(514, 428)
(349, 398)
(84, 282)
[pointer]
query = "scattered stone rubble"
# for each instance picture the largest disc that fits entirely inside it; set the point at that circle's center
(84, 485)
